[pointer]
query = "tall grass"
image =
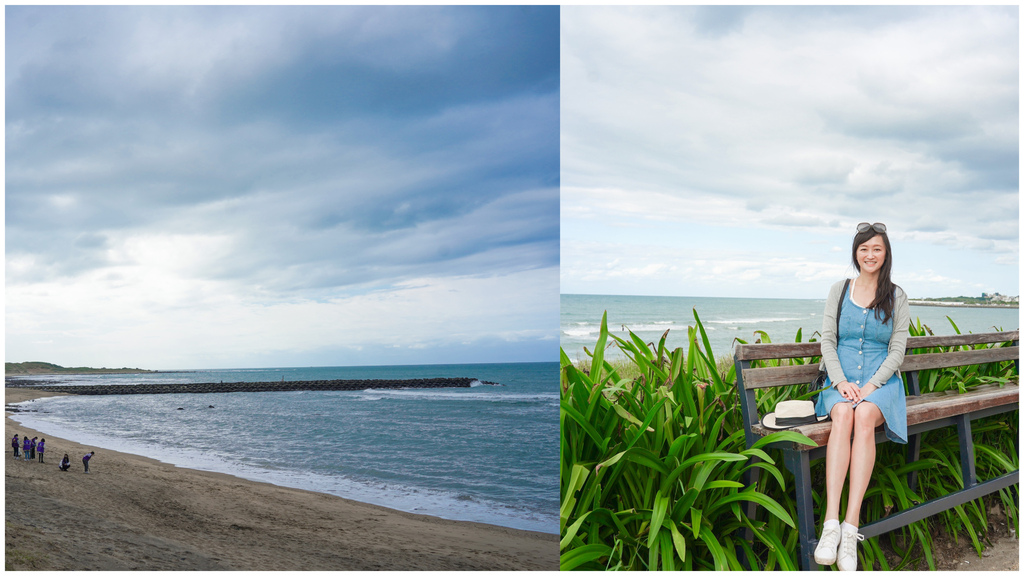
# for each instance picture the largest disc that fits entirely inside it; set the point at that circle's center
(653, 453)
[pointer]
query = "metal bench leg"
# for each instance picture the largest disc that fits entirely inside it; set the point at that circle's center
(750, 478)
(913, 455)
(963, 429)
(799, 463)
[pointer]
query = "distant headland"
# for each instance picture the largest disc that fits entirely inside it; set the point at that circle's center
(995, 300)
(32, 368)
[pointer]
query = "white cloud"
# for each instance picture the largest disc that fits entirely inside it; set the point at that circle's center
(809, 118)
(163, 321)
(232, 186)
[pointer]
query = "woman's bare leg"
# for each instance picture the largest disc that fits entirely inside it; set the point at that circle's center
(837, 459)
(866, 418)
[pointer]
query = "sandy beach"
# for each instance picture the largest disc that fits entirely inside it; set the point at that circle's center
(133, 512)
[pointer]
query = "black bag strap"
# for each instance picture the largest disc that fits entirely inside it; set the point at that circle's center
(839, 308)
(839, 312)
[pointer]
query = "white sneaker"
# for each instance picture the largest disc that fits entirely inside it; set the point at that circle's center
(825, 553)
(848, 548)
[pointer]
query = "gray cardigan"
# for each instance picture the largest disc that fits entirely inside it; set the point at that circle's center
(897, 344)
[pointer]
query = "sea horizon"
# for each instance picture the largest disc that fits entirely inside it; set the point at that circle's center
(246, 368)
(729, 320)
(746, 297)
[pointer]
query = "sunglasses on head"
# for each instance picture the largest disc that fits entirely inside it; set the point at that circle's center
(878, 227)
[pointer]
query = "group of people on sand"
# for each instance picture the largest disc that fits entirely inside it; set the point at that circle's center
(30, 449)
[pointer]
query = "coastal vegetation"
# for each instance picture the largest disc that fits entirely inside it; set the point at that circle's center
(653, 453)
(33, 368)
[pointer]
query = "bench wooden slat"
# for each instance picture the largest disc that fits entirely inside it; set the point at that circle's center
(781, 350)
(962, 339)
(754, 378)
(924, 408)
(939, 405)
(912, 362)
(808, 349)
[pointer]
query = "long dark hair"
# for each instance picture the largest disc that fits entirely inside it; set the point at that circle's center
(885, 293)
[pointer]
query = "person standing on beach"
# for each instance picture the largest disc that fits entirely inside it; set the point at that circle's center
(39, 449)
(864, 389)
(16, 444)
(34, 438)
(85, 461)
(25, 447)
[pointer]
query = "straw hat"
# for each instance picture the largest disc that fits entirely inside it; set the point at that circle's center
(790, 413)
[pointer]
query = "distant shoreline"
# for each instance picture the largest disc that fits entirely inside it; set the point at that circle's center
(960, 304)
(81, 372)
(1009, 305)
(49, 369)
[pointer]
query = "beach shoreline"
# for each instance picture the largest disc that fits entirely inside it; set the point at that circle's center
(133, 512)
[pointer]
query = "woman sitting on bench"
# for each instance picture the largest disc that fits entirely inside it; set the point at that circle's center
(864, 388)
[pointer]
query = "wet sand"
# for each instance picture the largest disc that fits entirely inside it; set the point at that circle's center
(133, 512)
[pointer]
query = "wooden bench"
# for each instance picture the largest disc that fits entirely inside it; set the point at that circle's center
(924, 412)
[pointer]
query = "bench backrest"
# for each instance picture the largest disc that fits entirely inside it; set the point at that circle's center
(767, 377)
(749, 380)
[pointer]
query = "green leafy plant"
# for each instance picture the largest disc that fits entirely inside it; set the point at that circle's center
(651, 465)
(653, 456)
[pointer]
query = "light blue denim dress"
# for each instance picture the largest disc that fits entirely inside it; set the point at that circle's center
(863, 346)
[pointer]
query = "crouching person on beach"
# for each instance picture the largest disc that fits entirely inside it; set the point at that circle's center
(85, 461)
(64, 464)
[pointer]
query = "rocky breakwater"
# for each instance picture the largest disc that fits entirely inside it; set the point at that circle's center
(222, 387)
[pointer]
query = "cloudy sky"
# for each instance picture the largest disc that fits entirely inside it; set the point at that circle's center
(731, 151)
(246, 187)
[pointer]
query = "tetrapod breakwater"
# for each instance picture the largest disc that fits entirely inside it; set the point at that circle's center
(223, 387)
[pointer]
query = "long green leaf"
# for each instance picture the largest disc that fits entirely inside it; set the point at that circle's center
(647, 422)
(598, 361)
(580, 419)
(576, 557)
(678, 540)
(657, 517)
(627, 416)
(762, 499)
(771, 469)
(571, 532)
(646, 458)
(689, 462)
(721, 562)
(579, 476)
(667, 557)
(776, 549)
(784, 436)
(997, 457)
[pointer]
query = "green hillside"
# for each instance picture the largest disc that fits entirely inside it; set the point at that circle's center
(31, 368)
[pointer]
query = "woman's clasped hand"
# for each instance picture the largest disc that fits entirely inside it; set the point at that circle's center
(854, 393)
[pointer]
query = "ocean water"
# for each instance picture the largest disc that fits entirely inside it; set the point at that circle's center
(486, 454)
(727, 320)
